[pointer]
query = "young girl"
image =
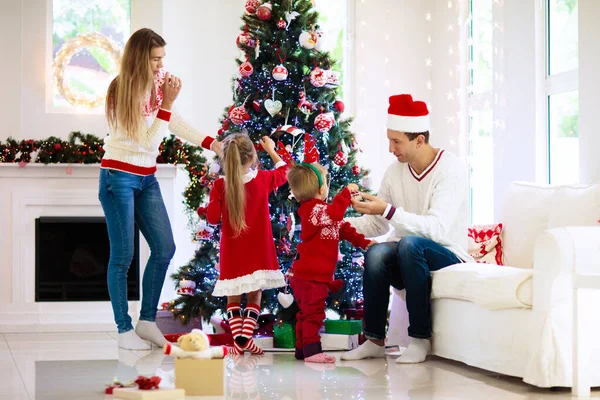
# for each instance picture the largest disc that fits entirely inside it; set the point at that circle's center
(248, 259)
(139, 109)
(322, 229)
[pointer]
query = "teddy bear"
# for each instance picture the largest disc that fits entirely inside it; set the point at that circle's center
(195, 345)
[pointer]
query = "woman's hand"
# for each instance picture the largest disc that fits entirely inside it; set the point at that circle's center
(170, 89)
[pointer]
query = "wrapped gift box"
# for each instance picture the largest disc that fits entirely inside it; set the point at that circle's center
(284, 336)
(168, 324)
(332, 341)
(200, 377)
(343, 327)
(264, 342)
(354, 313)
(156, 394)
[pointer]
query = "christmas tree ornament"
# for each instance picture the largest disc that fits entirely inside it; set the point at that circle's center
(213, 170)
(324, 122)
(280, 73)
(273, 107)
(304, 105)
(341, 158)
(291, 225)
(244, 39)
(318, 77)
(186, 287)
(285, 299)
(281, 24)
(311, 153)
(265, 11)
(356, 170)
(257, 105)
(246, 69)
(290, 16)
(252, 6)
(308, 40)
(204, 231)
(238, 115)
(284, 246)
(333, 79)
(339, 106)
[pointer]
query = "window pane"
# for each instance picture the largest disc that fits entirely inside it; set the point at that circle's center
(481, 46)
(563, 40)
(91, 69)
(333, 22)
(482, 166)
(564, 137)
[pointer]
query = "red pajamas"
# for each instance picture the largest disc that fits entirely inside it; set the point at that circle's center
(310, 296)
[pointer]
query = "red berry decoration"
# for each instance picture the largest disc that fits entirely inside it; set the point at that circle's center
(356, 170)
(339, 106)
(57, 147)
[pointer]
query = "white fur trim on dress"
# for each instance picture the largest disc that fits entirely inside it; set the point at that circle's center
(259, 280)
(408, 124)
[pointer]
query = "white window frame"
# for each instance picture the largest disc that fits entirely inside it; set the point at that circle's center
(548, 85)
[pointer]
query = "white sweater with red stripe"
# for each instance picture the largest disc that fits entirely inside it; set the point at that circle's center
(433, 205)
(139, 157)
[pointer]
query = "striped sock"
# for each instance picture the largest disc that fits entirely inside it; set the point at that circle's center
(250, 321)
(234, 316)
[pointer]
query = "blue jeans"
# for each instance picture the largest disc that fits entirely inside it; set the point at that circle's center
(126, 198)
(404, 265)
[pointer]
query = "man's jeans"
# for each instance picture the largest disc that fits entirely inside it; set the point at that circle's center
(404, 265)
(126, 198)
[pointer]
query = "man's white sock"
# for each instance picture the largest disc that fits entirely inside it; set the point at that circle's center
(149, 331)
(366, 350)
(416, 352)
(131, 341)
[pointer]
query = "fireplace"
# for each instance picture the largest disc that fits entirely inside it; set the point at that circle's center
(71, 260)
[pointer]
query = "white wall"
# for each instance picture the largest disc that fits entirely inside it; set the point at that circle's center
(589, 90)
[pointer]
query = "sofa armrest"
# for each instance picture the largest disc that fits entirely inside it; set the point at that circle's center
(557, 253)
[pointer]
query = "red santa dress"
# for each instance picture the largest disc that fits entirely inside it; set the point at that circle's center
(248, 262)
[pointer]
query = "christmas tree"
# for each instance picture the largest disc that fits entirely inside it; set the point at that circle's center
(287, 88)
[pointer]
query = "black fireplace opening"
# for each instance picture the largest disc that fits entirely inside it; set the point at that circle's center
(71, 260)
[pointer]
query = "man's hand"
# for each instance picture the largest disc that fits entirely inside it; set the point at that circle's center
(372, 205)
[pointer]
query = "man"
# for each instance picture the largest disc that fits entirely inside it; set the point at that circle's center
(424, 198)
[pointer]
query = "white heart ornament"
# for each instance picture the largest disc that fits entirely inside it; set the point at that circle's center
(285, 299)
(273, 107)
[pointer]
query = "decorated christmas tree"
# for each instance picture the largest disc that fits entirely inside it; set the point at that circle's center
(287, 88)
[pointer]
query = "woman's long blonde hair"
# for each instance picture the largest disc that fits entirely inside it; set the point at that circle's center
(127, 92)
(238, 151)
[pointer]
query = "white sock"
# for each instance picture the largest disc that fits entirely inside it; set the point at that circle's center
(366, 350)
(149, 331)
(131, 341)
(416, 351)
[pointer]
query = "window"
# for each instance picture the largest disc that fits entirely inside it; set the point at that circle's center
(480, 120)
(334, 18)
(87, 38)
(561, 91)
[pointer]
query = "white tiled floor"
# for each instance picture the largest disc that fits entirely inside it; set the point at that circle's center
(59, 366)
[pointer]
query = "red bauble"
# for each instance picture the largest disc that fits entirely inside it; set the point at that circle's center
(246, 69)
(356, 170)
(280, 73)
(318, 77)
(257, 105)
(57, 147)
(281, 24)
(244, 39)
(252, 6)
(341, 158)
(265, 11)
(339, 106)
(238, 115)
(324, 122)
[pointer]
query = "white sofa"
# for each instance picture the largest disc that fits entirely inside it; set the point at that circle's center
(517, 319)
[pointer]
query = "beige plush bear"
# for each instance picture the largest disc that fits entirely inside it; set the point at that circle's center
(195, 345)
(196, 340)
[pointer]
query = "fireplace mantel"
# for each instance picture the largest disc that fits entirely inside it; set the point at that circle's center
(62, 190)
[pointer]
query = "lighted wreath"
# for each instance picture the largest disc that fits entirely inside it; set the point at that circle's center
(63, 57)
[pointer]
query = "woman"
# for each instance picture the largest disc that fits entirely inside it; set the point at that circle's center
(139, 109)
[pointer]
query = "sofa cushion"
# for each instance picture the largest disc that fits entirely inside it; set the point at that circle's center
(525, 213)
(575, 206)
(491, 286)
(485, 244)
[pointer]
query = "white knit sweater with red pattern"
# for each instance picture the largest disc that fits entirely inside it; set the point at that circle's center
(139, 157)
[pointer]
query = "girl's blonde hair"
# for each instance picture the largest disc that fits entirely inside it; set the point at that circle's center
(127, 92)
(238, 150)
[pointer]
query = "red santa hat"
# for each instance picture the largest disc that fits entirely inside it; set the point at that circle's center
(406, 115)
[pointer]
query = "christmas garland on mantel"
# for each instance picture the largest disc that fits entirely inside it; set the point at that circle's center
(87, 149)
